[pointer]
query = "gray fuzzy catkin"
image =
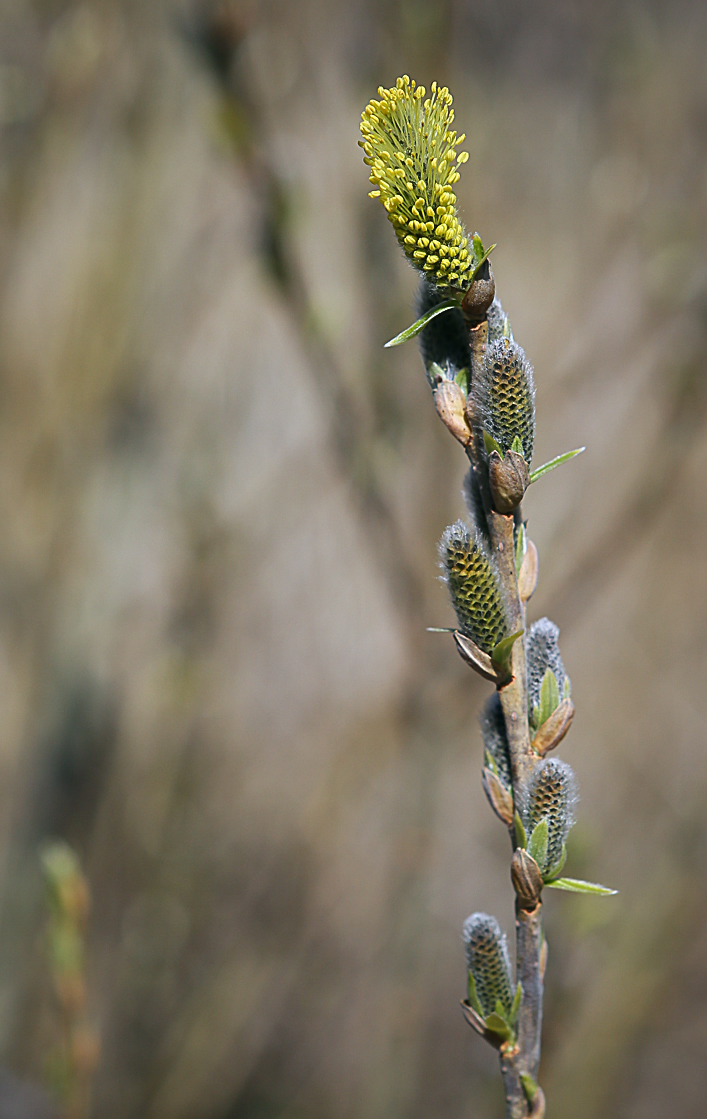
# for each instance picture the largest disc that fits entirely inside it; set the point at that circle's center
(543, 652)
(499, 326)
(493, 732)
(487, 960)
(504, 396)
(552, 796)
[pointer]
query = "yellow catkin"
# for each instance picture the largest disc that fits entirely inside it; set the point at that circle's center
(410, 147)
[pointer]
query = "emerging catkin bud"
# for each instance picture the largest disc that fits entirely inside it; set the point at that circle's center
(487, 960)
(474, 588)
(505, 396)
(543, 652)
(499, 323)
(410, 148)
(493, 732)
(552, 796)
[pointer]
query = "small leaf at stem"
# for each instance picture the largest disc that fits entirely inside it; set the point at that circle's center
(521, 837)
(491, 445)
(549, 696)
(495, 1024)
(472, 996)
(501, 654)
(414, 330)
(462, 379)
(515, 1005)
(521, 546)
(529, 1086)
(517, 445)
(548, 466)
(554, 871)
(577, 886)
(537, 844)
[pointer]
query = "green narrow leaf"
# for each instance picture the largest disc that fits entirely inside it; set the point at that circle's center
(521, 545)
(529, 1086)
(462, 379)
(490, 762)
(567, 688)
(577, 886)
(500, 1009)
(515, 1005)
(491, 445)
(535, 717)
(501, 654)
(549, 696)
(517, 445)
(480, 255)
(412, 331)
(521, 837)
(473, 997)
(548, 466)
(498, 1025)
(537, 844)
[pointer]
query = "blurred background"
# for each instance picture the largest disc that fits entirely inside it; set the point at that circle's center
(220, 502)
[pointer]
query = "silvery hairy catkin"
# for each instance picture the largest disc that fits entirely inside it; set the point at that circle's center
(505, 396)
(487, 960)
(543, 652)
(493, 732)
(552, 796)
(473, 586)
(499, 323)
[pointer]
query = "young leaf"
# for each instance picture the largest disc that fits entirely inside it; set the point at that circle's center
(577, 886)
(515, 1005)
(548, 466)
(517, 445)
(549, 696)
(473, 997)
(500, 1009)
(480, 255)
(521, 838)
(491, 445)
(495, 1024)
(529, 1086)
(537, 844)
(521, 546)
(501, 654)
(414, 330)
(462, 379)
(554, 871)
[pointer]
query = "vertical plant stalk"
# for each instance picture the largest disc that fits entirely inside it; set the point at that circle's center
(484, 393)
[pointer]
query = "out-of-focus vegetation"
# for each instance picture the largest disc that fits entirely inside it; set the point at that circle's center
(220, 502)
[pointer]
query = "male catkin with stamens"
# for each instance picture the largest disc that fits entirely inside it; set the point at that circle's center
(410, 147)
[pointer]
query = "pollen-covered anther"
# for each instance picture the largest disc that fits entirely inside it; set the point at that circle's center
(412, 152)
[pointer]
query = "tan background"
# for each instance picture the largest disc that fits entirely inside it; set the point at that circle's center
(220, 501)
